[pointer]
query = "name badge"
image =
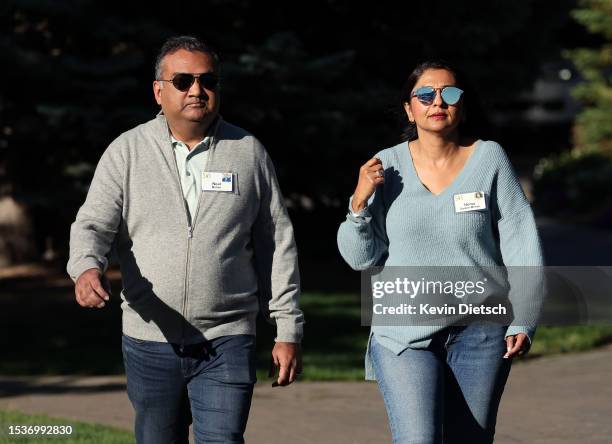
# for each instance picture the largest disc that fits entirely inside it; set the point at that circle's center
(212, 181)
(470, 201)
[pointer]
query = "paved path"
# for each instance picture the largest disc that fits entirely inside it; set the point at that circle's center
(561, 399)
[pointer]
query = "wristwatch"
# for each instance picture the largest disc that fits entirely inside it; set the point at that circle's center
(360, 215)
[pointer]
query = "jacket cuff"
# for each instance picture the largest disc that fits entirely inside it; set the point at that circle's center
(516, 329)
(288, 330)
(83, 265)
(361, 216)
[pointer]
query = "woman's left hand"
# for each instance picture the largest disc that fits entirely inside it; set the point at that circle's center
(517, 345)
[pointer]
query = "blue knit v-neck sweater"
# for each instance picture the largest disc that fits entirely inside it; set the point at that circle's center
(405, 224)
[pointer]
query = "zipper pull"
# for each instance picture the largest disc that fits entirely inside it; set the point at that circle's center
(190, 231)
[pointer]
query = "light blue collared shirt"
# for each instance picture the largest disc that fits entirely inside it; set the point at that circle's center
(190, 166)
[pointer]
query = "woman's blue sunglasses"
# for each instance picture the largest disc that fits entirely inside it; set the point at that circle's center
(427, 94)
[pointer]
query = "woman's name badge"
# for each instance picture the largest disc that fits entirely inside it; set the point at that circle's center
(470, 201)
(213, 181)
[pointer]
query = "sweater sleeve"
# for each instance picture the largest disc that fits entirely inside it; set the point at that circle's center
(276, 259)
(363, 241)
(520, 249)
(97, 221)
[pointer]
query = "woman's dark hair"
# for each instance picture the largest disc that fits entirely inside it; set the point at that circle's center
(473, 121)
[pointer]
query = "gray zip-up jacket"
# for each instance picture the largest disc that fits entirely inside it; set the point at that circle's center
(184, 283)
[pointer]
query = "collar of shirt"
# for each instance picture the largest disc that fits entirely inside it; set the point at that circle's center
(199, 147)
(202, 145)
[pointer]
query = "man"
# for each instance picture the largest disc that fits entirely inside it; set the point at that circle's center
(194, 210)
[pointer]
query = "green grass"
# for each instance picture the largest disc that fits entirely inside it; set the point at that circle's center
(554, 340)
(334, 340)
(81, 432)
(70, 340)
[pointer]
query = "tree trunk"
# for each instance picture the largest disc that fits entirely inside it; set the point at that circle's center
(16, 242)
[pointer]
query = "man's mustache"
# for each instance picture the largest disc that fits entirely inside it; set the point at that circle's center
(198, 102)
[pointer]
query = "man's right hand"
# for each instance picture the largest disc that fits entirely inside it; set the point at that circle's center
(371, 175)
(92, 288)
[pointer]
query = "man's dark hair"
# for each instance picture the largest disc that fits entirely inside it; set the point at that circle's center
(186, 42)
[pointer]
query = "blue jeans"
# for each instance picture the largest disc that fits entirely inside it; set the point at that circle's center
(211, 382)
(448, 392)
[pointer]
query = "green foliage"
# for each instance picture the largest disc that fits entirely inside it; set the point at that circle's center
(594, 124)
(574, 183)
(580, 180)
(596, 16)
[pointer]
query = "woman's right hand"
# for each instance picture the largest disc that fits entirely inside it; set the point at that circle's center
(371, 175)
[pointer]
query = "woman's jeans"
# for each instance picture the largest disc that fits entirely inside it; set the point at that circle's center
(448, 392)
(211, 382)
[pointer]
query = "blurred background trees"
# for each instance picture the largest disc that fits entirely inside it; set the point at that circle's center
(593, 129)
(317, 82)
(578, 181)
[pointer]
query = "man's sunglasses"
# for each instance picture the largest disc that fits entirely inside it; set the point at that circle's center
(427, 94)
(183, 81)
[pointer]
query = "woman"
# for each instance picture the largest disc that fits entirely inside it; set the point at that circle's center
(441, 383)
